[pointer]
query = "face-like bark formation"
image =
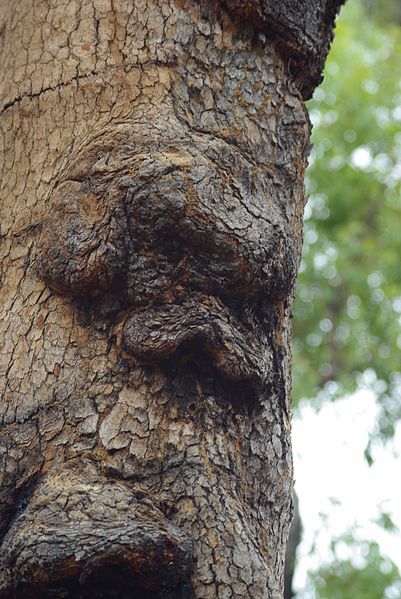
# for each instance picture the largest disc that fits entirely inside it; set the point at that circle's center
(150, 236)
(183, 233)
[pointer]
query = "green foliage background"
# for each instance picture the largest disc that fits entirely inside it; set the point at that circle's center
(348, 307)
(374, 577)
(347, 316)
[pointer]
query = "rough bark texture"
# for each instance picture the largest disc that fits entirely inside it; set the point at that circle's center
(302, 29)
(153, 154)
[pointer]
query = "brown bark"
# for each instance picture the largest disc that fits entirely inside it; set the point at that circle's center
(153, 154)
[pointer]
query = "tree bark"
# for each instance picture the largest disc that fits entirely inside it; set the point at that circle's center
(294, 539)
(153, 154)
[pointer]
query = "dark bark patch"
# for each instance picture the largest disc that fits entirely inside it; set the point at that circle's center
(302, 29)
(193, 385)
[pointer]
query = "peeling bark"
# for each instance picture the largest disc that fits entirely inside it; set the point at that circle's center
(153, 154)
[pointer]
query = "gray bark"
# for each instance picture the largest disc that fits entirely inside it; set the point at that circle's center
(151, 223)
(294, 539)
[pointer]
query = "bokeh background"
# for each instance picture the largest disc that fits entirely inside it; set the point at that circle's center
(347, 320)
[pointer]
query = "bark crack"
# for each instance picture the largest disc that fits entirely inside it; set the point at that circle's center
(50, 88)
(77, 78)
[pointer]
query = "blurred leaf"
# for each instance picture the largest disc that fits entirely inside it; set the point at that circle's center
(347, 316)
(386, 522)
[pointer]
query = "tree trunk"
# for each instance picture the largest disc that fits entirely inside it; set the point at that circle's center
(153, 154)
(294, 539)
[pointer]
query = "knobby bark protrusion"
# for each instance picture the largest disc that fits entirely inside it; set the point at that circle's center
(151, 226)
